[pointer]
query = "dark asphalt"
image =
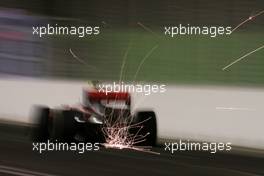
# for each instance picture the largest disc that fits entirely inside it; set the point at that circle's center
(16, 152)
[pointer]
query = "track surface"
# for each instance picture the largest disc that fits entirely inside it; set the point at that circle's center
(17, 158)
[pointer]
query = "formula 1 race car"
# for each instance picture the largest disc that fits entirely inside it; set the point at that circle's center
(100, 117)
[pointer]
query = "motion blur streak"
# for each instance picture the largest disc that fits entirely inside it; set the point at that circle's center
(20, 172)
(244, 56)
(247, 20)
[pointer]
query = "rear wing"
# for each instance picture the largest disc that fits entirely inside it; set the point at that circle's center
(95, 95)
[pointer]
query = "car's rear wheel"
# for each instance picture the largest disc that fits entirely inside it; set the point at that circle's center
(40, 124)
(62, 126)
(145, 126)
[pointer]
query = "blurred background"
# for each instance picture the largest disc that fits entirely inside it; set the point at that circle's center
(201, 103)
(181, 60)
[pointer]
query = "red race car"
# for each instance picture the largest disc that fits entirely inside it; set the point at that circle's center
(100, 117)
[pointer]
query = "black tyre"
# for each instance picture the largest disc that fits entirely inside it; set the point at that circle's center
(62, 126)
(40, 124)
(147, 121)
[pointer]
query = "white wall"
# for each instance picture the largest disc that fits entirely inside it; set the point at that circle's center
(18, 95)
(211, 113)
(198, 113)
